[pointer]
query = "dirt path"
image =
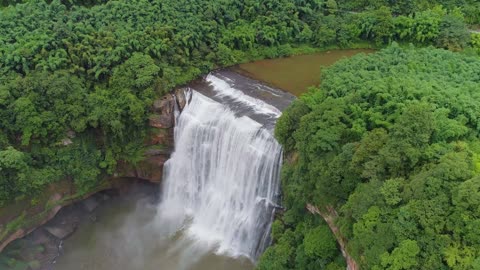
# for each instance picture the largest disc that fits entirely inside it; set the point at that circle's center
(329, 216)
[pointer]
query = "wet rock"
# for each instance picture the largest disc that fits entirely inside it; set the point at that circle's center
(163, 106)
(61, 231)
(163, 137)
(90, 204)
(151, 169)
(105, 197)
(181, 100)
(164, 112)
(39, 237)
(161, 121)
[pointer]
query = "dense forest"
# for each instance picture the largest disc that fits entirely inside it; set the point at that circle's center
(390, 140)
(77, 79)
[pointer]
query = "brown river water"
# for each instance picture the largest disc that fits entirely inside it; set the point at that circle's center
(296, 73)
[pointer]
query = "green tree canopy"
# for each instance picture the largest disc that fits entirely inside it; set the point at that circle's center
(391, 140)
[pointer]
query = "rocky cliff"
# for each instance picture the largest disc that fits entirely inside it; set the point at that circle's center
(159, 144)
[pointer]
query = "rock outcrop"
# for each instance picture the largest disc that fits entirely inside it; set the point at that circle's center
(181, 98)
(160, 142)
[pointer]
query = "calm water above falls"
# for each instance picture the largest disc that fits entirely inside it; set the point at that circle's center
(295, 74)
(220, 189)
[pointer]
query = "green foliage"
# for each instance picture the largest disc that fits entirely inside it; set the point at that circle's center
(301, 242)
(320, 242)
(20, 256)
(78, 78)
(93, 68)
(391, 191)
(402, 257)
(13, 164)
(278, 257)
(408, 7)
(453, 34)
(390, 139)
(286, 125)
(475, 42)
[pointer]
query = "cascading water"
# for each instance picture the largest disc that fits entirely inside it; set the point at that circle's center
(221, 184)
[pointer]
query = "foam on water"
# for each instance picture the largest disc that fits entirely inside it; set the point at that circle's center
(223, 88)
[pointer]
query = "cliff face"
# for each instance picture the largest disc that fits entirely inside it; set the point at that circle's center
(19, 219)
(160, 143)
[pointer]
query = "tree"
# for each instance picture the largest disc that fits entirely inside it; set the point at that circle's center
(389, 140)
(475, 42)
(331, 6)
(383, 28)
(402, 257)
(319, 242)
(289, 123)
(13, 164)
(427, 24)
(391, 191)
(453, 33)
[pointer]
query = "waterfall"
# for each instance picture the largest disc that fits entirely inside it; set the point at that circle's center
(221, 183)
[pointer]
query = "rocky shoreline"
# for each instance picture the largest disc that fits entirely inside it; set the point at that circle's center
(41, 248)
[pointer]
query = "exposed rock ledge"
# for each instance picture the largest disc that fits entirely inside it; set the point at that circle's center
(159, 146)
(160, 143)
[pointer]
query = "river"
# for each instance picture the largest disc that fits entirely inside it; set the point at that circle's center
(296, 73)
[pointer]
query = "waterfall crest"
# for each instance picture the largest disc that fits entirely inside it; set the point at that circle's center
(221, 184)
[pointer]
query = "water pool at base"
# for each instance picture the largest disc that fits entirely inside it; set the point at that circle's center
(124, 238)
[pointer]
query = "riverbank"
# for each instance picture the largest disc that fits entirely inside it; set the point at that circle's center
(41, 249)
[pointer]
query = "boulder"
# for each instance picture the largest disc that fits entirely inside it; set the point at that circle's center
(105, 197)
(61, 231)
(40, 237)
(90, 204)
